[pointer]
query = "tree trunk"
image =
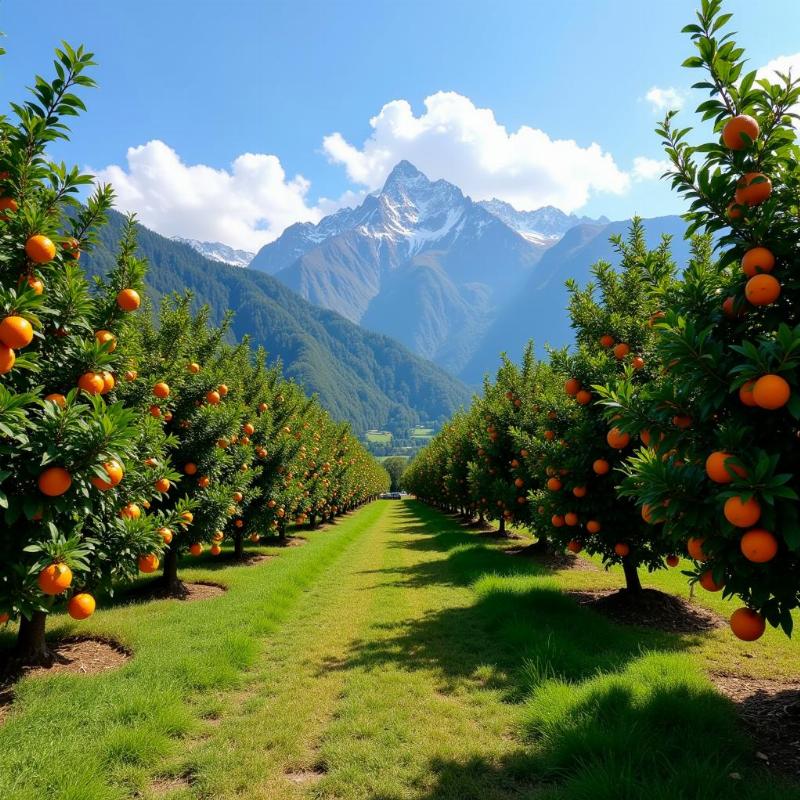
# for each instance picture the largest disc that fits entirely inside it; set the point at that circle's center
(541, 545)
(282, 530)
(170, 582)
(312, 521)
(238, 545)
(502, 528)
(31, 647)
(482, 520)
(632, 582)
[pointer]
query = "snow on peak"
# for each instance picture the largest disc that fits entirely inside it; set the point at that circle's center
(217, 251)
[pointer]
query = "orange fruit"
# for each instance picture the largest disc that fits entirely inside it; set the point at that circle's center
(644, 435)
(655, 317)
(593, 526)
(554, 484)
(637, 362)
(190, 468)
(757, 260)
(617, 439)
(149, 562)
(72, 247)
(40, 249)
(579, 491)
(115, 473)
(33, 283)
(213, 397)
(54, 481)
(81, 606)
(571, 386)
(271, 504)
(7, 359)
(215, 549)
(718, 465)
(249, 429)
(255, 538)
(162, 485)
(16, 332)
(161, 390)
(742, 513)
(647, 514)
(673, 561)
(108, 382)
(583, 397)
(56, 398)
(729, 309)
(106, 337)
(130, 511)
(574, 546)
(155, 411)
(734, 128)
(759, 546)
(747, 625)
(54, 579)
(752, 189)
(606, 340)
(194, 368)
(262, 407)
(734, 210)
(91, 382)
(601, 466)
(709, 584)
(239, 523)
(571, 518)
(761, 290)
(549, 435)
(196, 548)
(129, 300)
(771, 392)
(621, 350)
(203, 481)
(131, 375)
(165, 534)
(4, 617)
(622, 549)
(218, 536)
(746, 393)
(187, 517)
(557, 521)
(682, 421)
(222, 389)
(695, 548)
(7, 204)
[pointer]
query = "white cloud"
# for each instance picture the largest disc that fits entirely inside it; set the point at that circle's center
(455, 140)
(649, 169)
(246, 206)
(782, 64)
(664, 99)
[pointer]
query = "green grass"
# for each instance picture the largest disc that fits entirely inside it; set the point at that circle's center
(378, 437)
(395, 656)
(421, 433)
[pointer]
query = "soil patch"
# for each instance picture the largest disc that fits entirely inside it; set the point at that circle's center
(202, 590)
(291, 541)
(493, 534)
(650, 609)
(168, 784)
(554, 561)
(305, 776)
(770, 713)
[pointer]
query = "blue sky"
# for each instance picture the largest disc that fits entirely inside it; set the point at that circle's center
(213, 81)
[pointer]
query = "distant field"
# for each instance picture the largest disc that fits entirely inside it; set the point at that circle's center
(379, 437)
(421, 433)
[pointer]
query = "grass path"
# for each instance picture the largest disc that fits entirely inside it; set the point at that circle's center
(394, 657)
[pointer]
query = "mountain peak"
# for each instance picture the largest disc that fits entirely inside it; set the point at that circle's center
(404, 173)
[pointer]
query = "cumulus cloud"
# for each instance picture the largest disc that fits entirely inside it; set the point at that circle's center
(649, 169)
(245, 206)
(664, 99)
(782, 64)
(455, 140)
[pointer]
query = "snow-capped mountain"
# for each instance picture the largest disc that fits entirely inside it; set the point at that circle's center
(217, 251)
(546, 224)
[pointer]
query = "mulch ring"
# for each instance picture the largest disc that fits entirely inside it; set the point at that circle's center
(650, 609)
(199, 590)
(770, 713)
(290, 541)
(553, 561)
(74, 655)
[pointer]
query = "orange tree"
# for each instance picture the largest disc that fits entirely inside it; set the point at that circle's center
(614, 335)
(732, 340)
(69, 475)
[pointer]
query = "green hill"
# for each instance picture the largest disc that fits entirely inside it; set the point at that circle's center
(365, 378)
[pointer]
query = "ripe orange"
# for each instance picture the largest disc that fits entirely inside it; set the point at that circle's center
(647, 514)
(108, 382)
(735, 211)
(129, 300)
(215, 549)
(757, 260)
(239, 523)
(81, 606)
(203, 481)
(752, 189)
(7, 359)
(161, 390)
(54, 481)
(746, 393)
(583, 397)
(571, 386)
(149, 562)
(579, 491)
(155, 411)
(218, 536)
(130, 511)
(621, 350)
(131, 375)
(682, 421)
(16, 332)
(115, 473)
(606, 340)
(40, 249)
(72, 247)
(617, 439)
(673, 561)
(54, 579)
(557, 521)
(644, 435)
(549, 435)
(91, 382)
(718, 465)
(709, 584)
(747, 625)
(729, 309)
(574, 546)
(601, 466)
(761, 290)
(56, 398)
(196, 548)
(734, 128)
(223, 443)
(4, 617)
(271, 504)
(571, 518)
(248, 428)
(255, 538)
(695, 548)
(593, 526)
(213, 397)
(162, 485)
(741, 513)
(190, 468)
(194, 368)
(622, 549)
(165, 534)
(33, 283)
(637, 362)
(554, 484)
(106, 337)
(519, 483)
(759, 546)
(771, 392)
(655, 317)
(187, 518)
(7, 204)
(222, 389)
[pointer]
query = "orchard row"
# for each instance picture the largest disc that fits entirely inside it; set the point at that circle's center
(127, 441)
(671, 427)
